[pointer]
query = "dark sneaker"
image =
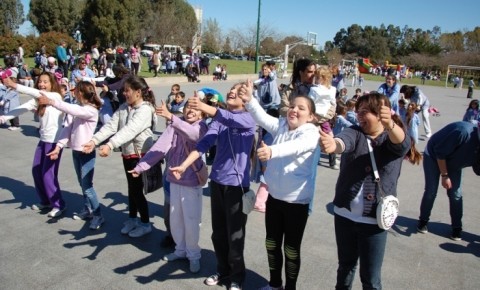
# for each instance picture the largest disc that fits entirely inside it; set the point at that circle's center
(456, 234)
(213, 280)
(422, 227)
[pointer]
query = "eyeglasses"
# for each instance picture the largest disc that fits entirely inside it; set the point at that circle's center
(83, 63)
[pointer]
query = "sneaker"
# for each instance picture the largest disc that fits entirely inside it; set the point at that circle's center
(13, 128)
(129, 225)
(195, 266)
(140, 230)
(456, 234)
(172, 257)
(422, 227)
(96, 222)
(39, 206)
(335, 167)
(167, 242)
(235, 286)
(213, 280)
(268, 287)
(83, 215)
(428, 135)
(56, 212)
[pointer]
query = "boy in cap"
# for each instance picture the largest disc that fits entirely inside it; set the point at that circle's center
(9, 99)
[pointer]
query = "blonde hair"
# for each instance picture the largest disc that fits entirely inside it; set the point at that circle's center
(323, 75)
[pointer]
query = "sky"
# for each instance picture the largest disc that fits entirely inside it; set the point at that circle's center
(326, 18)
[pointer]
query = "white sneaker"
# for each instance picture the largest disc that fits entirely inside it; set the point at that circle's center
(428, 135)
(172, 257)
(83, 215)
(96, 222)
(129, 225)
(12, 128)
(56, 212)
(39, 206)
(195, 266)
(140, 230)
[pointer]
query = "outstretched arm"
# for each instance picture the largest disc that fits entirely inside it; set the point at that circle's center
(179, 170)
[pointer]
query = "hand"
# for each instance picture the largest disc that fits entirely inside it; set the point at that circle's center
(446, 183)
(264, 152)
(88, 147)
(2, 102)
(9, 83)
(327, 142)
(177, 171)
(104, 151)
(386, 117)
(195, 103)
(54, 153)
(43, 100)
(105, 88)
(245, 92)
(134, 173)
(162, 111)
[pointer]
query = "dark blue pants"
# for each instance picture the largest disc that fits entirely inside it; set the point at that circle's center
(359, 241)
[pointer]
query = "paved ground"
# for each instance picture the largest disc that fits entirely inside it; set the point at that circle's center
(37, 252)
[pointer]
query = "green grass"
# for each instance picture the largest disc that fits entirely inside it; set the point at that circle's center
(248, 67)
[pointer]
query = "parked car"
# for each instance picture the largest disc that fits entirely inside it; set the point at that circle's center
(211, 55)
(241, 57)
(226, 56)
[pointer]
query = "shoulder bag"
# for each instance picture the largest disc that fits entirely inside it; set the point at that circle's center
(153, 177)
(249, 197)
(388, 205)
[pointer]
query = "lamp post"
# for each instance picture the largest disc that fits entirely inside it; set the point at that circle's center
(258, 37)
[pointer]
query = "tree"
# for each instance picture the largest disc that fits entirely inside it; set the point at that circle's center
(211, 36)
(472, 40)
(11, 18)
(53, 15)
(170, 22)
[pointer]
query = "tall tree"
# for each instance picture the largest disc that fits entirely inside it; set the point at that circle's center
(170, 22)
(472, 40)
(53, 15)
(211, 36)
(113, 22)
(11, 16)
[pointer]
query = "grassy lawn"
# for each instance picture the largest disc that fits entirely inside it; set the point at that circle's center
(248, 67)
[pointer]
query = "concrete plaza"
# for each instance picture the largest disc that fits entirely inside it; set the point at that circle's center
(37, 252)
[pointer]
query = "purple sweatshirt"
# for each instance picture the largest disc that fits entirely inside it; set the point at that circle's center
(172, 144)
(230, 131)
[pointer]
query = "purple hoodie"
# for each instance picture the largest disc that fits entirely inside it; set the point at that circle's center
(172, 143)
(230, 131)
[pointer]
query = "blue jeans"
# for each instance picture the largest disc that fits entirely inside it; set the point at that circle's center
(84, 167)
(432, 180)
(354, 241)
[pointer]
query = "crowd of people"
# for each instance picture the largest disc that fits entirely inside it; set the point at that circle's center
(284, 127)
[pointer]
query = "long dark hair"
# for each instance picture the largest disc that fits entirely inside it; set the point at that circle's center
(55, 88)
(138, 83)
(374, 101)
(299, 66)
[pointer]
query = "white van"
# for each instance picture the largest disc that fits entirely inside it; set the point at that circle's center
(148, 48)
(172, 48)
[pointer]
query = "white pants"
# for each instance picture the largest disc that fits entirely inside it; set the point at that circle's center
(426, 121)
(185, 219)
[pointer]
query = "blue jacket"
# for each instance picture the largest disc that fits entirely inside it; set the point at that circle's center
(457, 143)
(392, 93)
